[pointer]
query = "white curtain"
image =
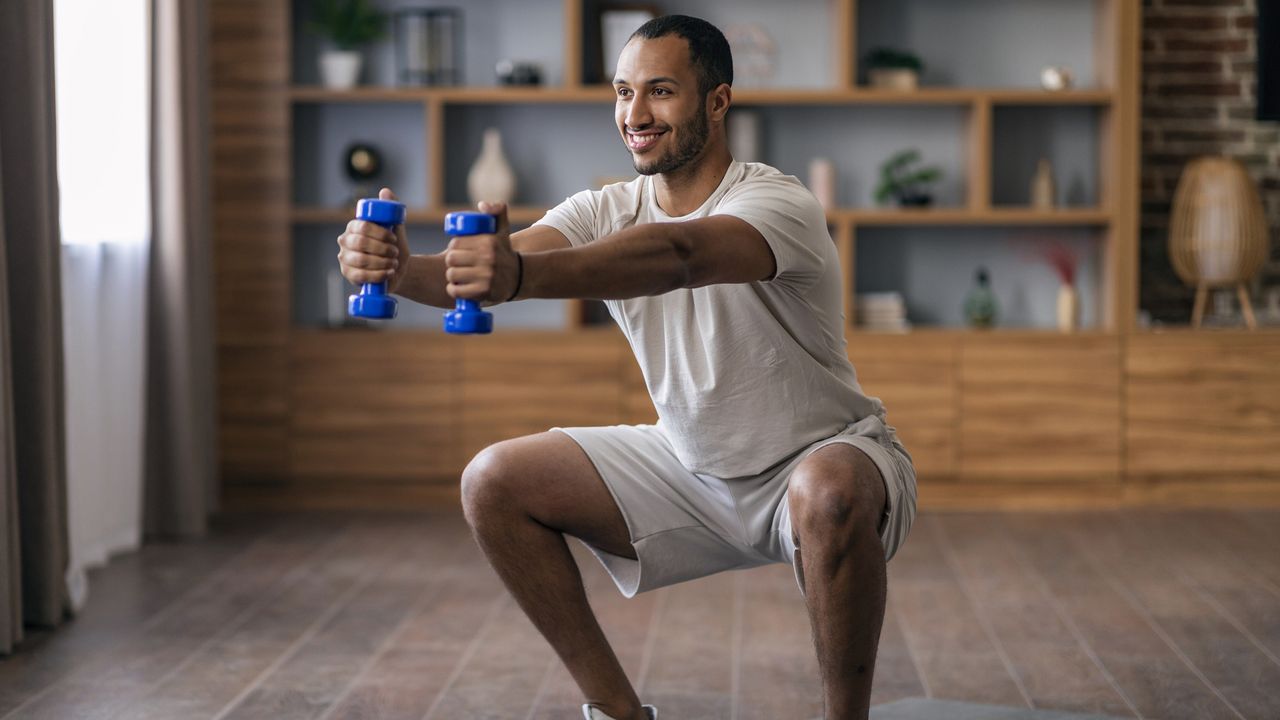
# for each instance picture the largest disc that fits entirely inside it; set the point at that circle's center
(104, 313)
(101, 52)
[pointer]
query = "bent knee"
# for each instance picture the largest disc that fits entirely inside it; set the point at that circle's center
(489, 482)
(830, 501)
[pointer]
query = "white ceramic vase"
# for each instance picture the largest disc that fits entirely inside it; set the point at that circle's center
(491, 178)
(340, 69)
(1068, 308)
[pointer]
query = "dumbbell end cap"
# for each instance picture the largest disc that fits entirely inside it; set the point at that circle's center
(373, 307)
(468, 323)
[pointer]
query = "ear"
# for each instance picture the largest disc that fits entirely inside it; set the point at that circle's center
(718, 102)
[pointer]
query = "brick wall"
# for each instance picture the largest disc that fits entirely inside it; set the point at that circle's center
(1199, 64)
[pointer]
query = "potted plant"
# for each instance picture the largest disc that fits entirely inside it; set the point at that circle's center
(901, 178)
(893, 69)
(347, 25)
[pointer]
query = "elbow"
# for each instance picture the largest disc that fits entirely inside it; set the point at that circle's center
(681, 257)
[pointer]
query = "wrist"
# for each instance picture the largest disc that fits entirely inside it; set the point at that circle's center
(519, 277)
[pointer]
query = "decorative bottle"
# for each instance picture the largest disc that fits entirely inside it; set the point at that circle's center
(1042, 190)
(980, 306)
(491, 178)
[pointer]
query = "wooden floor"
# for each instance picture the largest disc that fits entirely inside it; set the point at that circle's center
(1152, 614)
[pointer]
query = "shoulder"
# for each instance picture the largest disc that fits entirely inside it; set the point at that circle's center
(760, 183)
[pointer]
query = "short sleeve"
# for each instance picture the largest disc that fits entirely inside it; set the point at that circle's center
(575, 218)
(791, 220)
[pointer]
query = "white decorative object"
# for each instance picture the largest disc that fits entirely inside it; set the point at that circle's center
(822, 181)
(894, 78)
(1068, 308)
(744, 135)
(340, 69)
(1055, 78)
(491, 178)
(1042, 187)
(754, 54)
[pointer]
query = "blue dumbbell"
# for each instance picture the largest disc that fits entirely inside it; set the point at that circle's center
(373, 301)
(467, 318)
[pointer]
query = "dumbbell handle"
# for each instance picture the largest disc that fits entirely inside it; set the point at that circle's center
(467, 318)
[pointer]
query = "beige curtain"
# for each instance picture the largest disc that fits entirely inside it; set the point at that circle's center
(181, 480)
(33, 523)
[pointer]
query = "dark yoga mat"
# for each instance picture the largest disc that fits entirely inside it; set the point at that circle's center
(923, 709)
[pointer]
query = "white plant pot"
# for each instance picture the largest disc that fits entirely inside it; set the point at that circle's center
(894, 78)
(340, 69)
(1068, 309)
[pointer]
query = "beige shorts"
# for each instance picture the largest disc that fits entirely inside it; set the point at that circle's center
(686, 525)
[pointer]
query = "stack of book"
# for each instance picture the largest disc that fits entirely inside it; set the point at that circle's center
(882, 312)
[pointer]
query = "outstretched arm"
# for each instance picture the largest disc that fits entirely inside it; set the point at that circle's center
(642, 260)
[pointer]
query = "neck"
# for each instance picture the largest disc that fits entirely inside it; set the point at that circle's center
(683, 191)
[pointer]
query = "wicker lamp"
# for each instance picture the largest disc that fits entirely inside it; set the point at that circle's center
(1218, 233)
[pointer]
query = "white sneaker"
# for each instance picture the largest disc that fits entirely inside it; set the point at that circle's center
(591, 712)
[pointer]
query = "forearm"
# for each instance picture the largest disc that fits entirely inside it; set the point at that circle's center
(424, 281)
(644, 260)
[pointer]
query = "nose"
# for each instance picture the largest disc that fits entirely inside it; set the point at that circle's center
(638, 114)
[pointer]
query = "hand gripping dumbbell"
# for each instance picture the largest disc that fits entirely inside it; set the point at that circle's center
(467, 318)
(373, 301)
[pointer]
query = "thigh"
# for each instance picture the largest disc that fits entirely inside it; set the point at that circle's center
(560, 487)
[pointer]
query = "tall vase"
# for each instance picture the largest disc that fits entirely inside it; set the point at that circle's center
(1068, 308)
(1042, 189)
(491, 178)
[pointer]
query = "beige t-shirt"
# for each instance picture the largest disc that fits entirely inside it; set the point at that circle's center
(742, 375)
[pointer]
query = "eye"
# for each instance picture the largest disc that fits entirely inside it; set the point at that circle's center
(624, 92)
(661, 91)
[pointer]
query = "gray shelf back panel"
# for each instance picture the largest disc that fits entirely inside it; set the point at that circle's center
(859, 139)
(1066, 135)
(323, 131)
(554, 150)
(315, 303)
(799, 32)
(983, 43)
(530, 30)
(934, 270)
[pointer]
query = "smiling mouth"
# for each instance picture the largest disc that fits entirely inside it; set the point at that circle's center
(640, 142)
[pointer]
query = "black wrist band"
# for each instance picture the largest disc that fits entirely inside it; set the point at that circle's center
(519, 277)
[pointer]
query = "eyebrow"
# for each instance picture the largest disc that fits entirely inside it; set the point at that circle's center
(651, 81)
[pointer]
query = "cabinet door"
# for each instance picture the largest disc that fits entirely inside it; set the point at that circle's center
(914, 376)
(1040, 407)
(1203, 404)
(373, 405)
(514, 385)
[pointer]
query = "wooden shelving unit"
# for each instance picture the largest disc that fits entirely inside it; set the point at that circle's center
(1008, 418)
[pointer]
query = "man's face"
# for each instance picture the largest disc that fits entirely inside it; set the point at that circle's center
(659, 110)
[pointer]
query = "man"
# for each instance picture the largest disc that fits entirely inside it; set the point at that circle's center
(726, 283)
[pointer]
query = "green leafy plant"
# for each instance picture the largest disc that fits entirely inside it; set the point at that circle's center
(348, 23)
(901, 178)
(885, 58)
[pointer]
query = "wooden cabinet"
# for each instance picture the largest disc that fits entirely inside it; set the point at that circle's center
(1203, 404)
(1043, 407)
(915, 376)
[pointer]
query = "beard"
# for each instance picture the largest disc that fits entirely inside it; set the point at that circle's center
(691, 138)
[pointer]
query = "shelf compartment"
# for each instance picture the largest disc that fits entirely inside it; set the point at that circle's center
(934, 269)
(531, 30)
(984, 42)
(1067, 136)
(322, 132)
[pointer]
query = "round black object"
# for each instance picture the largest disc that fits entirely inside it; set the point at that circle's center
(362, 161)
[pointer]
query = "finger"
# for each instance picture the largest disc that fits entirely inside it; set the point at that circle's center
(469, 275)
(461, 258)
(366, 244)
(360, 277)
(353, 259)
(369, 229)
(386, 194)
(468, 291)
(499, 210)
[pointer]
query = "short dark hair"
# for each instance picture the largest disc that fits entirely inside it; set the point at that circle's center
(708, 48)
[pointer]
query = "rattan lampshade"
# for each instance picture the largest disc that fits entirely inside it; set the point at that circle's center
(1217, 232)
